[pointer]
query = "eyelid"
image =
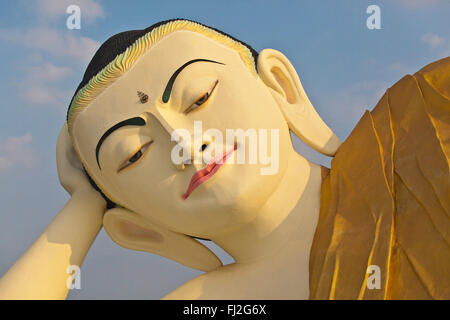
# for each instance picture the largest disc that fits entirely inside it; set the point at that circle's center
(210, 92)
(124, 165)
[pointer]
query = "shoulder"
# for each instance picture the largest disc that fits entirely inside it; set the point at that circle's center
(437, 75)
(191, 290)
(216, 284)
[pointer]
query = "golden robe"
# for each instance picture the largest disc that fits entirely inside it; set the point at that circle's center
(386, 199)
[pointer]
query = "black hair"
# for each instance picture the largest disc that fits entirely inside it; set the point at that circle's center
(116, 45)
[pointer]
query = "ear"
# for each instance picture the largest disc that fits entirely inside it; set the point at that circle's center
(279, 75)
(131, 231)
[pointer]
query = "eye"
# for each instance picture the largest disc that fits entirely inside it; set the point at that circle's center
(201, 101)
(135, 157)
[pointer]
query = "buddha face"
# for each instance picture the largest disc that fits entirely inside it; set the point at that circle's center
(124, 139)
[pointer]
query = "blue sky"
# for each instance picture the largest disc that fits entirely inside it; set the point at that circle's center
(344, 67)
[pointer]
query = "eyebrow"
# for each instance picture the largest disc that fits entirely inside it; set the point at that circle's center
(168, 90)
(136, 121)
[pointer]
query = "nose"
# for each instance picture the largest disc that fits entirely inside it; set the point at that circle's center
(196, 155)
(191, 140)
(199, 149)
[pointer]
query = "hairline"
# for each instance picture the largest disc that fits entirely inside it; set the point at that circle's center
(125, 61)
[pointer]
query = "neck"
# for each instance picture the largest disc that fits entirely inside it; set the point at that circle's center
(290, 214)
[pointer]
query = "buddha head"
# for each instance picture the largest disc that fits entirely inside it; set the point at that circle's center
(144, 87)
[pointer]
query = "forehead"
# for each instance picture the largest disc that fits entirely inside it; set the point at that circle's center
(150, 75)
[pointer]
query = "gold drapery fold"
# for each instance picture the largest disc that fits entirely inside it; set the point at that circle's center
(386, 199)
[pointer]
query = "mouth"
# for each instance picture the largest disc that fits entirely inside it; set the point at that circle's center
(206, 173)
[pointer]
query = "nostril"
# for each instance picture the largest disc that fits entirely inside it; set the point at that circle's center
(203, 147)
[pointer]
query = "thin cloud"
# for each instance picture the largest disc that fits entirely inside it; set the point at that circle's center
(55, 9)
(54, 42)
(432, 40)
(43, 95)
(49, 72)
(418, 3)
(40, 85)
(15, 152)
(42, 80)
(399, 68)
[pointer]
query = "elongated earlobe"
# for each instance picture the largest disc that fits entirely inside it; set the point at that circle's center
(279, 75)
(133, 232)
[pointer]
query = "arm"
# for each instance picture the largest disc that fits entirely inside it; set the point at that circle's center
(41, 272)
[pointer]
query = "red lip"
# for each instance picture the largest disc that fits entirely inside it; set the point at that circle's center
(203, 175)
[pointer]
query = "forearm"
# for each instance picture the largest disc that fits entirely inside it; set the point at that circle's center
(41, 272)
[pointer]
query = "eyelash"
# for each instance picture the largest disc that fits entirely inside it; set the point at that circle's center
(140, 153)
(202, 100)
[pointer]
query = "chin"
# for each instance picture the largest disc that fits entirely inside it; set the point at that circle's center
(229, 200)
(213, 210)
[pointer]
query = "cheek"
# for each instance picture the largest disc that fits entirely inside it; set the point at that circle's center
(145, 183)
(248, 107)
(153, 196)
